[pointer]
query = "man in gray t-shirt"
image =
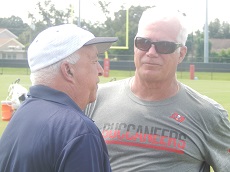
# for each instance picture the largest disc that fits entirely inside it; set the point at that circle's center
(153, 123)
(186, 132)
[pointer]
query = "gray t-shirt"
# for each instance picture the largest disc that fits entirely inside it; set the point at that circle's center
(185, 133)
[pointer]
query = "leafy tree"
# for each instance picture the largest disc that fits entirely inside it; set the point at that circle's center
(218, 30)
(224, 56)
(117, 27)
(51, 16)
(16, 26)
(199, 47)
(190, 46)
(225, 30)
(114, 25)
(48, 16)
(215, 29)
(13, 24)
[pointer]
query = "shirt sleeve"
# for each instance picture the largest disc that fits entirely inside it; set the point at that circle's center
(218, 142)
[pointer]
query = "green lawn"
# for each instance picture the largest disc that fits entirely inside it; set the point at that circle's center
(214, 85)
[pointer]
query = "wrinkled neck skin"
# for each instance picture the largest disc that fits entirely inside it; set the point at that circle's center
(74, 92)
(154, 90)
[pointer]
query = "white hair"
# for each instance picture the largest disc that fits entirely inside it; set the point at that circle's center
(161, 14)
(46, 75)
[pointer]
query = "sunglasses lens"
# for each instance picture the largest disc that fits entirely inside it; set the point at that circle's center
(161, 47)
(165, 47)
(142, 44)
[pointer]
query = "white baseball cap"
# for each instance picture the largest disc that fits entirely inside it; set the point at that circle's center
(58, 42)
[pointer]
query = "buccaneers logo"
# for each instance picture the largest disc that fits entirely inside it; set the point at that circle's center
(177, 117)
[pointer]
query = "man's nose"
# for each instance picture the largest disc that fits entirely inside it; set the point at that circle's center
(100, 69)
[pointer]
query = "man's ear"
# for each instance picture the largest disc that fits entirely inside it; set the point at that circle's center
(66, 70)
(183, 51)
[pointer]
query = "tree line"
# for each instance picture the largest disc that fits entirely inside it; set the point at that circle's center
(48, 15)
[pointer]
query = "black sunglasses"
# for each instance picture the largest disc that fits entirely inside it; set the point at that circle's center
(161, 47)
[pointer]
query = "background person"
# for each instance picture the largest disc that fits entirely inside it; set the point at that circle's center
(152, 122)
(50, 132)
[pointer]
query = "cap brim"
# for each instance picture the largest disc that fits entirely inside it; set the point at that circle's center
(102, 43)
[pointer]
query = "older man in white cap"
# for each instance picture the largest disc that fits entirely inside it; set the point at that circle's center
(49, 132)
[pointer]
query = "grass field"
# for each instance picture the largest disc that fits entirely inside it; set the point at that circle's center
(214, 85)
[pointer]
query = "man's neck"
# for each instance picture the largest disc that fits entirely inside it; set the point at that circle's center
(154, 91)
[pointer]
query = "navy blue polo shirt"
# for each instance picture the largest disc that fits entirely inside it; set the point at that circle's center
(50, 133)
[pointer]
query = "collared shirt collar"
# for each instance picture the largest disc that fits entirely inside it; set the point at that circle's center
(50, 94)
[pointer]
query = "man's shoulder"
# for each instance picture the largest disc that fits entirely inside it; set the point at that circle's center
(108, 91)
(207, 104)
(113, 84)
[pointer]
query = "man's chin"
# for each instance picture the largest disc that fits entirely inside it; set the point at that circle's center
(92, 99)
